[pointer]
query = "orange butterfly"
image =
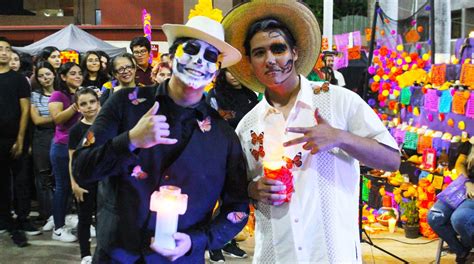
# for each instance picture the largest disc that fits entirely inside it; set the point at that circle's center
(256, 139)
(258, 153)
(138, 173)
(226, 114)
(205, 125)
(89, 139)
(324, 88)
(296, 161)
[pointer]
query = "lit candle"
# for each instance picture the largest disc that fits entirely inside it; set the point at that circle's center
(391, 225)
(168, 203)
(277, 170)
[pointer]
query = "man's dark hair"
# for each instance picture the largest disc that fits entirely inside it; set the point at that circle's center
(266, 25)
(4, 39)
(140, 41)
(164, 55)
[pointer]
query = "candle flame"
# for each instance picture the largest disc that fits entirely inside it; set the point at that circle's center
(273, 165)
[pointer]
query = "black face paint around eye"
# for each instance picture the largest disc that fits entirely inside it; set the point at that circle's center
(211, 56)
(278, 48)
(191, 48)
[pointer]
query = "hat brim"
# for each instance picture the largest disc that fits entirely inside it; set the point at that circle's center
(295, 15)
(230, 54)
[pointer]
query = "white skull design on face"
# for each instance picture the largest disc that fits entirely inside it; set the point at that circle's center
(196, 63)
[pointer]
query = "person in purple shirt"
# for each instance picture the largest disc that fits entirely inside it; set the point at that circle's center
(65, 115)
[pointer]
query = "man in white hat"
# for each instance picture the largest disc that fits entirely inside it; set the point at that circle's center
(319, 133)
(149, 137)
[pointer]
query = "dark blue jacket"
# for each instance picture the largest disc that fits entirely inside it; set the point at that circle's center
(205, 165)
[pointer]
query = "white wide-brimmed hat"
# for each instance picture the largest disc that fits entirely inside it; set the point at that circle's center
(205, 29)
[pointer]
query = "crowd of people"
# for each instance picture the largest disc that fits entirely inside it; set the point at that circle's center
(50, 105)
(109, 131)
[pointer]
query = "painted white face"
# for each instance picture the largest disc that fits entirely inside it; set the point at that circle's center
(196, 63)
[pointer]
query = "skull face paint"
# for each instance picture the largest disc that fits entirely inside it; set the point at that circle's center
(196, 63)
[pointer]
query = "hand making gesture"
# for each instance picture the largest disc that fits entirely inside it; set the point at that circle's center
(151, 130)
(320, 137)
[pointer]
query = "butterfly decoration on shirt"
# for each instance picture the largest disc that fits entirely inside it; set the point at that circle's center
(226, 114)
(138, 173)
(204, 125)
(258, 152)
(236, 217)
(133, 97)
(256, 139)
(296, 161)
(89, 139)
(323, 88)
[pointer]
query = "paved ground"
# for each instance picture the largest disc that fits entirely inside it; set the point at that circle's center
(43, 250)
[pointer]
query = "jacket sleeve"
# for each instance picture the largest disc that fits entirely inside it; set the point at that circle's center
(104, 149)
(234, 198)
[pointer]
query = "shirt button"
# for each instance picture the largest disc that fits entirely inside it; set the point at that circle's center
(297, 220)
(300, 248)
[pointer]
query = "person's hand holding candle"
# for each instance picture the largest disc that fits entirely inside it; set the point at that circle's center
(267, 191)
(183, 245)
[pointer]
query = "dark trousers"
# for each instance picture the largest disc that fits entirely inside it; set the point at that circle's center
(13, 171)
(60, 163)
(44, 179)
(85, 213)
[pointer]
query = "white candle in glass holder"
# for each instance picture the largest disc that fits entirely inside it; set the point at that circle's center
(168, 203)
(391, 225)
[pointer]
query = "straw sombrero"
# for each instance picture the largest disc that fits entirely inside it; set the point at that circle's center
(206, 29)
(295, 15)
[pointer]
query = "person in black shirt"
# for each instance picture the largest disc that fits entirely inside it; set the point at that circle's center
(153, 136)
(87, 102)
(94, 74)
(123, 68)
(230, 98)
(15, 103)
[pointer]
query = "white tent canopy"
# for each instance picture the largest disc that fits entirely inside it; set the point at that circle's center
(71, 38)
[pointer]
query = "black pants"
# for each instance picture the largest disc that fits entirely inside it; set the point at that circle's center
(16, 171)
(44, 179)
(85, 213)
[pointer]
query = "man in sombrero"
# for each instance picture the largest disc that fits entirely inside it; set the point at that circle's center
(319, 132)
(145, 138)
